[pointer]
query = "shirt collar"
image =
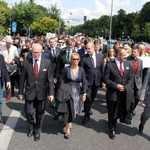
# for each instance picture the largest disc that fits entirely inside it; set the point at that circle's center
(37, 60)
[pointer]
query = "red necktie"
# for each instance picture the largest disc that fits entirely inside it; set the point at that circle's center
(35, 68)
(135, 64)
(121, 69)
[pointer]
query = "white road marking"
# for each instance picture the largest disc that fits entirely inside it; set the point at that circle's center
(8, 129)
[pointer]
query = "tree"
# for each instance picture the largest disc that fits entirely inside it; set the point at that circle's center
(145, 13)
(24, 14)
(4, 10)
(136, 32)
(54, 12)
(43, 26)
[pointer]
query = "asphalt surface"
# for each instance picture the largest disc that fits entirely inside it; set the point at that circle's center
(92, 136)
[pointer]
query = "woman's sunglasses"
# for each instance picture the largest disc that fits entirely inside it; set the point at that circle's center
(75, 59)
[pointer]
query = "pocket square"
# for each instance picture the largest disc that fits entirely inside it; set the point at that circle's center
(44, 69)
(127, 67)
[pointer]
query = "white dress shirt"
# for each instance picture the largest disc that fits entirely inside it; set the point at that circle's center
(118, 64)
(39, 63)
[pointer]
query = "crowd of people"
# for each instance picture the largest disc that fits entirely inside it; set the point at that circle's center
(68, 71)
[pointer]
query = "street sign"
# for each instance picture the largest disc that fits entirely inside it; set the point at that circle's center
(14, 26)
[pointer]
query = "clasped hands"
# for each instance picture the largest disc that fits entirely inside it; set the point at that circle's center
(121, 88)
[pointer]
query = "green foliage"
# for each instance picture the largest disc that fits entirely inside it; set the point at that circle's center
(54, 12)
(4, 10)
(24, 14)
(43, 26)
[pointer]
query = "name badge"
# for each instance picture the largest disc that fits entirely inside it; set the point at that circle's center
(67, 65)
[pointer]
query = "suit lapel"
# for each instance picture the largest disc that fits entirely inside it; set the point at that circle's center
(90, 61)
(41, 67)
(116, 67)
(96, 58)
(31, 66)
(125, 67)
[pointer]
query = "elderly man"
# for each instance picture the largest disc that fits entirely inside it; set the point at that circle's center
(37, 72)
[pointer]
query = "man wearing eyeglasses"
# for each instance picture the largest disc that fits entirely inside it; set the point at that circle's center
(37, 72)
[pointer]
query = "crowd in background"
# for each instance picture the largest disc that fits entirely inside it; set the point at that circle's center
(85, 65)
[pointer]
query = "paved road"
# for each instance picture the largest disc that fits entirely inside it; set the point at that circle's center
(92, 136)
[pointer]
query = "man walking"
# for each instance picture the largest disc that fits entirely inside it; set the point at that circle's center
(37, 73)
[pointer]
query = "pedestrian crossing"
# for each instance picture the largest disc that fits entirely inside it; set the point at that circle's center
(8, 129)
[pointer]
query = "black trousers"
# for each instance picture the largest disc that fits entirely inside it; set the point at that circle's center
(111, 106)
(34, 110)
(87, 103)
(137, 93)
(94, 90)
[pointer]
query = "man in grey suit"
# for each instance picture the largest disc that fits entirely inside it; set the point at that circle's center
(118, 77)
(137, 65)
(37, 74)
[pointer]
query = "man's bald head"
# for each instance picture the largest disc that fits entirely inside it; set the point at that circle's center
(36, 51)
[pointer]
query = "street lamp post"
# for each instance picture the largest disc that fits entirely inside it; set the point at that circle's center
(110, 30)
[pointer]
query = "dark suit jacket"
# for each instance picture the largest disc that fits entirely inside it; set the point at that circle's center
(81, 51)
(138, 74)
(93, 74)
(66, 78)
(61, 63)
(4, 73)
(36, 87)
(52, 58)
(44, 54)
(112, 78)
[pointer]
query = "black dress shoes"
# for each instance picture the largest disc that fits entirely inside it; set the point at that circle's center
(85, 120)
(133, 113)
(112, 134)
(36, 136)
(30, 133)
(141, 128)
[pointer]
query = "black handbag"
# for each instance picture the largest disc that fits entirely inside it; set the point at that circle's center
(13, 69)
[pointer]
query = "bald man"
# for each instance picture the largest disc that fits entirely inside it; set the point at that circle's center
(37, 73)
(93, 64)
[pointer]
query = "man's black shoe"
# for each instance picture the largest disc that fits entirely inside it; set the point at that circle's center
(36, 136)
(141, 128)
(133, 114)
(85, 120)
(112, 134)
(30, 133)
(91, 113)
(126, 121)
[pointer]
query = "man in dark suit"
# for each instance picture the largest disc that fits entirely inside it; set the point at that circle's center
(103, 46)
(4, 78)
(53, 52)
(93, 65)
(37, 73)
(118, 77)
(64, 58)
(137, 65)
(83, 51)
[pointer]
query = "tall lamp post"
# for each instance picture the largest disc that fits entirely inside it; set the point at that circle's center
(110, 30)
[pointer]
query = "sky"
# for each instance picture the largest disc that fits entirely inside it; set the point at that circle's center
(73, 11)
